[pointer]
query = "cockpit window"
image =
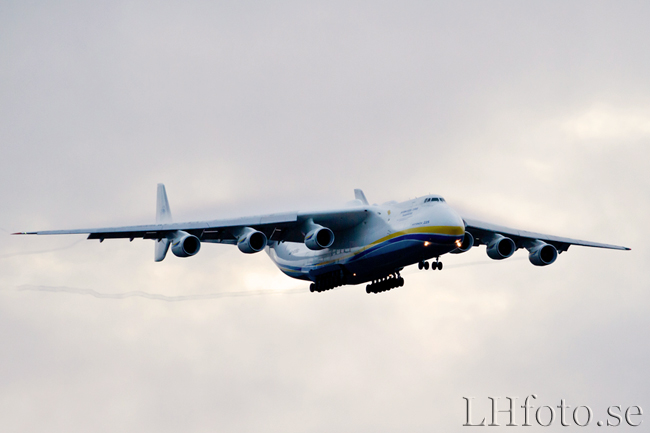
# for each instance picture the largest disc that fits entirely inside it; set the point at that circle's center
(430, 199)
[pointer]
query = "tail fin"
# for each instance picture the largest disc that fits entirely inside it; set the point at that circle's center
(359, 195)
(163, 213)
(163, 216)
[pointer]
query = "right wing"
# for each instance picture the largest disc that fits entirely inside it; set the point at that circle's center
(483, 233)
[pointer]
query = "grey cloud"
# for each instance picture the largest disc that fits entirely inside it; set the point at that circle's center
(27, 253)
(157, 296)
(529, 115)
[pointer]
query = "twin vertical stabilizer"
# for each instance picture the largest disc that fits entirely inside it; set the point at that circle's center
(163, 216)
(359, 195)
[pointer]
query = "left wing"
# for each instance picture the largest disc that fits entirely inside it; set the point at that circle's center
(484, 233)
(278, 227)
(289, 226)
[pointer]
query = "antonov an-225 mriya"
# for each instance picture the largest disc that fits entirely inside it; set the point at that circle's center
(357, 244)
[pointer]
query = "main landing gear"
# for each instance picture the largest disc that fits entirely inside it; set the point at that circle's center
(328, 282)
(434, 265)
(383, 284)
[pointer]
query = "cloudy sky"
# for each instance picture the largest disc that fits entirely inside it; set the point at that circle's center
(532, 116)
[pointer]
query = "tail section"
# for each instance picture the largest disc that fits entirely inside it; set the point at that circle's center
(163, 213)
(359, 195)
(163, 216)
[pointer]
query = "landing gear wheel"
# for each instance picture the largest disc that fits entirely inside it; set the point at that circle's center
(386, 283)
(420, 265)
(440, 266)
(312, 287)
(426, 266)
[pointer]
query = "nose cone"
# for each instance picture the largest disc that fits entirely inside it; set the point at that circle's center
(449, 221)
(457, 221)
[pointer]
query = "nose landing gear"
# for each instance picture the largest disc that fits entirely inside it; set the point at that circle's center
(423, 264)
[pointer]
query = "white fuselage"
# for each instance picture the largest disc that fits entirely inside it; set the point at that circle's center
(393, 235)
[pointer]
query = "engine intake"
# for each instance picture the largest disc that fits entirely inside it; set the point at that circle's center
(501, 248)
(542, 254)
(319, 238)
(251, 241)
(185, 244)
(466, 245)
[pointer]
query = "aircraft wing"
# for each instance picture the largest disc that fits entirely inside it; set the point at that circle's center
(483, 232)
(277, 227)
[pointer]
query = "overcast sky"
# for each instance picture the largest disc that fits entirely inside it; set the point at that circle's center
(531, 116)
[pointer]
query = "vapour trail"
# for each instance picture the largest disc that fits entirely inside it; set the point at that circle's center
(156, 296)
(198, 297)
(27, 253)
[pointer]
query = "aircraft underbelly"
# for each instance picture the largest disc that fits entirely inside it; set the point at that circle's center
(364, 264)
(386, 259)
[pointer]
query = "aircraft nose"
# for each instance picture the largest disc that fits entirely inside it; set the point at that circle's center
(455, 222)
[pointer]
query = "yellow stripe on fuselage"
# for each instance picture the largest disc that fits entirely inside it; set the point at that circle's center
(434, 230)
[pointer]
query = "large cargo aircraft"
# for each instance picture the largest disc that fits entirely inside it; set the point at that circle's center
(360, 243)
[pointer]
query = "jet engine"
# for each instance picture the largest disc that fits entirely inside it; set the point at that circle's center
(185, 244)
(542, 254)
(468, 242)
(501, 247)
(251, 241)
(319, 237)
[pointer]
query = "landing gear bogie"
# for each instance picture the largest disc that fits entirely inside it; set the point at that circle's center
(437, 265)
(328, 281)
(384, 284)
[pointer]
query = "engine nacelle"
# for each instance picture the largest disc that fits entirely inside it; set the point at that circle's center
(542, 254)
(251, 241)
(501, 248)
(185, 244)
(319, 238)
(466, 245)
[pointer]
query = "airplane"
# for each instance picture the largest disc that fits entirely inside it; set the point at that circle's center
(358, 244)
